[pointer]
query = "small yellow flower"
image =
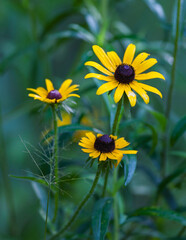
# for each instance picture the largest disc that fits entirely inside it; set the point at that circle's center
(105, 146)
(52, 95)
(124, 76)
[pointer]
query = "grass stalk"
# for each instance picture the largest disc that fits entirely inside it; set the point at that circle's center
(55, 156)
(170, 93)
(85, 200)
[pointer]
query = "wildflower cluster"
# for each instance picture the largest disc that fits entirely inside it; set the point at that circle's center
(125, 77)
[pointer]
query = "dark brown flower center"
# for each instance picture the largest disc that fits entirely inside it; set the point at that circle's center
(104, 144)
(54, 94)
(124, 73)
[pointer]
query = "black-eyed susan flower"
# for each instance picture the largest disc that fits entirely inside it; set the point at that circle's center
(105, 146)
(51, 95)
(124, 76)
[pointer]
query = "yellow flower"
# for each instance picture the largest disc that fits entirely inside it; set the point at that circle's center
(124, 76)
(105, 146)
(52, 95)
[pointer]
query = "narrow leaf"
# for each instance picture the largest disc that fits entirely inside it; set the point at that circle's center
(130, 162)
(158, 212)
(101, 217)
(178, 130)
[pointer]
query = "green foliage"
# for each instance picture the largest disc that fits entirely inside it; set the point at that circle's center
(100, 218)
(53, 39)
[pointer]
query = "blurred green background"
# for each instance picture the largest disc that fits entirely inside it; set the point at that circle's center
(52, 39)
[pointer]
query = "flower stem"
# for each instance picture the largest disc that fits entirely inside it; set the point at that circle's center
(117, 118)
(115, 175)
(170, 92)
(116, 215)
(55, 156)
(46, 220)
(87, 197)
(105, 181)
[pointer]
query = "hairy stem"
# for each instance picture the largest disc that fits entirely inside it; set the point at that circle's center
(55, 156)
(117, 118)
(85, 200)
(115, 176)
(170, 92)
(46, 219)
(105, 181)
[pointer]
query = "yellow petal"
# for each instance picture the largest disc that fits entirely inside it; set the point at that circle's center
(119, 92)
(99, 135)
(145, 65)
(134, 85)
(149, 75)
(107, 87)
(35, 96)
(49, 85)
(113, 137)
(90, 145)
(139, 59)
(129, 151)
(99, 67)
(91, 136)
(88, 150)
(121, 143)
(118, 161)
(65, 85)
(100, 77)
(86, 140)
(114, 58)
(103, 157)
(111, 156)
(131, 95)
(94, 154)
(73, 95)
(150, 89)
(104, 59)
(129, 54)
(42, 92)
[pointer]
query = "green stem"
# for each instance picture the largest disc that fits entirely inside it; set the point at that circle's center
(170, 92)
(105, 181)
(55, 156)
(116, 215)
(46, 220)
(117, 118)
(104, 14)
(115, 176)
(6, 181)
(181, 232)
(80, 206)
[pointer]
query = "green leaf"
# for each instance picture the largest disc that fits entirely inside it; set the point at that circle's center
(178, 154)
(157, 9)
(180, 170)
(158, 212)
(178, 131)
(57, 20)
(101, 217)
(130, 162)
(82, 33)
(161, 119)
(34, 179)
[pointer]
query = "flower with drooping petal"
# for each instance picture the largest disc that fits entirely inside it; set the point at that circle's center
(124, 76)
(105, 146)
(51, 95)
